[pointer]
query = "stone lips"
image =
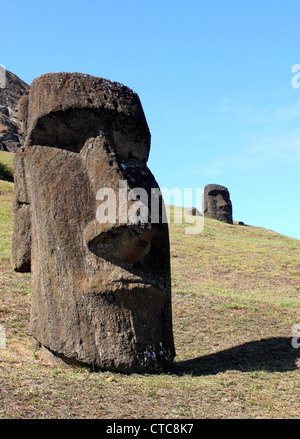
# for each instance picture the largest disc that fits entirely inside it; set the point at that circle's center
(217, 204)
(101, 292)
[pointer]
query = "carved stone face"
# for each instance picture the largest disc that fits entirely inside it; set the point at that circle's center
(101, 284)
(216, 203)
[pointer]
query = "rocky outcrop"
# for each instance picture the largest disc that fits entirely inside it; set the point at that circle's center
(101, 289)
(216, 203)
(12, 89)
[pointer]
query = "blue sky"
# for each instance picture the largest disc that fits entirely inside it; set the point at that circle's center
(214, 78)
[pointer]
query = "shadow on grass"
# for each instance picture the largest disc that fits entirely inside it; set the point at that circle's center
(270, 355)
(6, 173)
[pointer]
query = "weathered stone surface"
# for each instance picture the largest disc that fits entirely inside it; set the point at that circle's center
(101, 291)
(21, 241)
(216, 203)
(67, 109)
(11, 91)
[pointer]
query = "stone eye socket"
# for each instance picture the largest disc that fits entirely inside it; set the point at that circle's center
(215, 193)
(68, 129)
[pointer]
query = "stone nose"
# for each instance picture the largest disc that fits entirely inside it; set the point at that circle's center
(222, 202)
(122, 243)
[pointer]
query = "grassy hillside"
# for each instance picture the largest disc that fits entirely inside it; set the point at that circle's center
(235, 300)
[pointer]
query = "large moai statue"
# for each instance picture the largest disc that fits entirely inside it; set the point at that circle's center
(216, 203)
(101, 289)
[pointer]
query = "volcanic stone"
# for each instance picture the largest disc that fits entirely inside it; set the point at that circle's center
(216, 203)
(101, 290)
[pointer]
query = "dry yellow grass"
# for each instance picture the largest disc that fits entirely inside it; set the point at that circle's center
(235, 301)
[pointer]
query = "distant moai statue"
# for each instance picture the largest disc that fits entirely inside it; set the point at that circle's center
(101, 291)
(192, 211)
(216, 203)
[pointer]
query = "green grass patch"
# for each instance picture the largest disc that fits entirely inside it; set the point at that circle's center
(6, 219)
(235, 300)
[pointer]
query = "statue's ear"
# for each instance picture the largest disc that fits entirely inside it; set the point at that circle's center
(21, 240)
(23, 113)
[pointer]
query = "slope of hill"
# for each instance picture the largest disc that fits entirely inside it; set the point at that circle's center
(235, 301)
(10, 133)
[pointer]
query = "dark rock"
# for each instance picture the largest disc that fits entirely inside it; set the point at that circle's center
(14, 89)
(217, 204)
(10, 128)
(101, 290)
(10, 142)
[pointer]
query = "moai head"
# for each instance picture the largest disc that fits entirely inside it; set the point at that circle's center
(216, 203)
(192, 211)
(100, 263)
